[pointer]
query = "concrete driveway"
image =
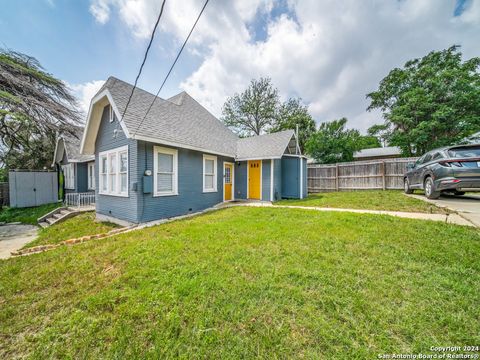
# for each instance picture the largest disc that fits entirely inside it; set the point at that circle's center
(14, 237)
(467, 206)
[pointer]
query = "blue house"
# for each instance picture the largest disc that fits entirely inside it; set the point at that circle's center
(78, 170)
(180, 159)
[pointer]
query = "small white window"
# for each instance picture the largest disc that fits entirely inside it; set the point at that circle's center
(111, 114)
(91, 176)
(209, 173)
(113, 171)
(69, 176)
(165, 175)
(103, 174)
(123, 171)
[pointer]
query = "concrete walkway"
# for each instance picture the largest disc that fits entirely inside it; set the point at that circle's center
(450, 219)
(466, 206)
(14, 237)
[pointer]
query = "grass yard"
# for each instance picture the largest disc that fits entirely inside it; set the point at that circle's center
(371, 200)
(80, 225)
(26, 215)
(248, 282)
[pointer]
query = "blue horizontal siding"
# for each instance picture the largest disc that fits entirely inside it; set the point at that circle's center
(191, 197)
(266, 182)
(124, 208)
(290, 177)
(241, 180)
(277, 179)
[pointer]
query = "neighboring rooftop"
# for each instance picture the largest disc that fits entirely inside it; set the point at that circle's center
(387, 151)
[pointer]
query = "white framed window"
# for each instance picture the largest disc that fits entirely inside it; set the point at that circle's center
(165, 171)
(91, 176)
(209, 173)
(113, 170)
(69, 176)
(103, 174)
(111, 115)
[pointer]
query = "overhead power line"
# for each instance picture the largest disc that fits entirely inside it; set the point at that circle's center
(173, 65)
(143, 62)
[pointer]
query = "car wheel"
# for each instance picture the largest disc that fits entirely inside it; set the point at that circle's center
(459, 193)
(429, 187)
(406, 187)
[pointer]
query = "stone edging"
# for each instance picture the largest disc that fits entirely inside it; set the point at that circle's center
(73, 241)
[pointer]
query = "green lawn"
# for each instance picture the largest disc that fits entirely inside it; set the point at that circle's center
(371, 200)
(80, 225)
(26, 215)
(248, 283)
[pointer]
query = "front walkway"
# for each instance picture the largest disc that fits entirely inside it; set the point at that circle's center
(14, 237)
(448, 218)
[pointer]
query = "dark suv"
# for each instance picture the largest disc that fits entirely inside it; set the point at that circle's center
(453, 169)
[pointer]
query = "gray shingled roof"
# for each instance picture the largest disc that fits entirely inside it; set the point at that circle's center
(264, 146)
(72, 146)
(377, 152)
(183, 121)
(180, 119)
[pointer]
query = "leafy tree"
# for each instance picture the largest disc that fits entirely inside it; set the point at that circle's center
(293, 113)
(380, 132)
(366, 142)
(34, 107)
(333, 142)
(253, 111)
(430, 102)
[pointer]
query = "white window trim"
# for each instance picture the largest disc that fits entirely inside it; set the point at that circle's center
(111, 114)
(91, 175)
(169, 151)
(66, 178)
(108, 154)
(215, 173)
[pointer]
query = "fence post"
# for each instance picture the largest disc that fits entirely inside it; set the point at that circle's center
(336, 177)
(383, 175)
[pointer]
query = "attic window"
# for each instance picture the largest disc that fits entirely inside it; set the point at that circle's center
(111, 115)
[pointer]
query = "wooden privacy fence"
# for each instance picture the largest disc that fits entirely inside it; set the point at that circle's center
(359, 175)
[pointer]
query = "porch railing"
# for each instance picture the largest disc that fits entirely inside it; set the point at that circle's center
(79, 199)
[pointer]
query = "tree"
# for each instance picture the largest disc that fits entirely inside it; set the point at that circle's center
(293, 113)
(333, 142)
(253, 111)
(366, 142)
(430, 102)
(34, 107)
(379, 131)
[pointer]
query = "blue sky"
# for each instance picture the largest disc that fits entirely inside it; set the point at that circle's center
(329, 52)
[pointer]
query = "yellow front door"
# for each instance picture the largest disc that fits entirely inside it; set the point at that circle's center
(227, 188)
(254, 172)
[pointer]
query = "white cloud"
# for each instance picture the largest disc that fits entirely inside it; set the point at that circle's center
(100, 9)
(331, 53)
(85, 92)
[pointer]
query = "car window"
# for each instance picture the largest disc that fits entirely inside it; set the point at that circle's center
(419, 161)
(465, 152)
(437, 156)
(427, 158)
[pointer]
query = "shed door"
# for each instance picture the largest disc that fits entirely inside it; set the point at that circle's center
(254, 173)
(25, 189)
